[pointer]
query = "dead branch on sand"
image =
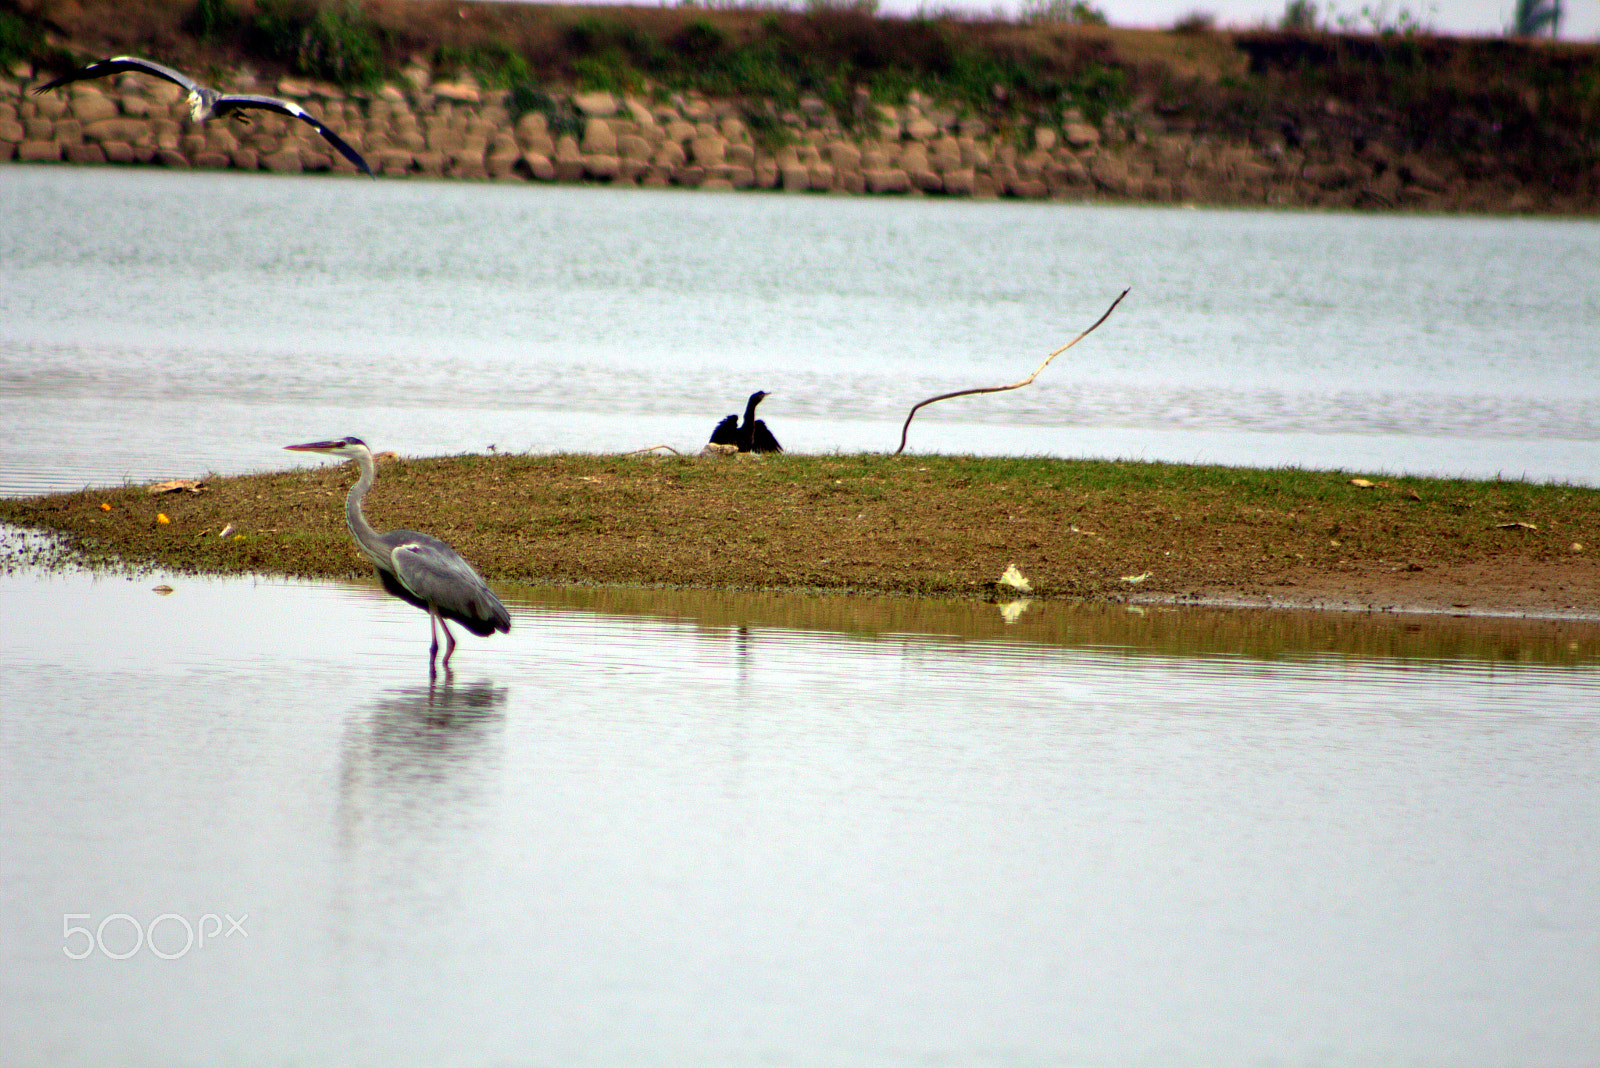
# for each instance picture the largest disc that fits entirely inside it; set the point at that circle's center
(1015, 385)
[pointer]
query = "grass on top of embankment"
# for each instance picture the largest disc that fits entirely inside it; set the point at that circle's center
(907, 524)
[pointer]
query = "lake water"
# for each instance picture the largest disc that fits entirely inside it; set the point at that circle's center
(690, 828)
(157, 325)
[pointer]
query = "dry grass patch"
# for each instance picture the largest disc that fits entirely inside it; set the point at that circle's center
(910, 524)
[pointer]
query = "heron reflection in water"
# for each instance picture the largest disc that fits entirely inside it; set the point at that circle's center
(417, 568)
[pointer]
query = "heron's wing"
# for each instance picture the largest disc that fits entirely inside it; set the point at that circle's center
(435, 574)
(726, 432)
(239, 101)
(118, 64)
(761, 439)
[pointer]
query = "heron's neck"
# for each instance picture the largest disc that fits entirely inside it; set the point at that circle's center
(360, 529)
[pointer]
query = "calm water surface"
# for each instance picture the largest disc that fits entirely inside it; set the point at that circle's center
(684, 829)
(159, 325)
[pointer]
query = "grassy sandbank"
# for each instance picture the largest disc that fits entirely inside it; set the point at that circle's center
(946, 525)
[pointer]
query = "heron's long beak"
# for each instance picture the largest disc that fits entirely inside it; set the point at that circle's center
(314, 446)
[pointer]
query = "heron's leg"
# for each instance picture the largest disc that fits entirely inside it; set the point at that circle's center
(450, 645)
(433, 647)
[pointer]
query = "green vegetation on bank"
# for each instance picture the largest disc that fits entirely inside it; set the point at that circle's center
(1525, 108)
(909, 524)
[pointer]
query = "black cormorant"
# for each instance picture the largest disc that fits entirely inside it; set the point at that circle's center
(750, 436)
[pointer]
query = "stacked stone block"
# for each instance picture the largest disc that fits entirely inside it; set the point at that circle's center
(456, 129)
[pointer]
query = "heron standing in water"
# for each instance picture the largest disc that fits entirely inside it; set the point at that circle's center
(417, 568)
(752, 435)
(206, 103)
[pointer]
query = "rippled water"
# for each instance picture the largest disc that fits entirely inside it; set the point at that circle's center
(156, 325)
(675, 828)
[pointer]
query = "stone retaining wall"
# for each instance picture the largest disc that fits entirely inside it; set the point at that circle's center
(455, 129)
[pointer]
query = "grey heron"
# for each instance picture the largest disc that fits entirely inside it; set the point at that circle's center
(207, 103)
(752, 435)
(417, 568)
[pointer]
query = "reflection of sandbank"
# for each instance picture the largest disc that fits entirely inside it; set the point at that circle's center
(1259, 631)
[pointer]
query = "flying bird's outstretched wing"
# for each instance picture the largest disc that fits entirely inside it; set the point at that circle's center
(239, 101)
(208, 103)
(118, 64)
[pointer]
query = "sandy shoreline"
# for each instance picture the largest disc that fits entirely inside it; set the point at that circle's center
(1517, 589)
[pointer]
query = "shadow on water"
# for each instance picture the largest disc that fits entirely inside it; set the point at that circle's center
(1138, 630)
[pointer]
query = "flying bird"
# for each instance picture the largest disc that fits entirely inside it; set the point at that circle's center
(419, 569)
(207, 103)
(752, 435)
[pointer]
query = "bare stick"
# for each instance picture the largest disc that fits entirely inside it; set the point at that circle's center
(653, 448)
(1014, 385)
